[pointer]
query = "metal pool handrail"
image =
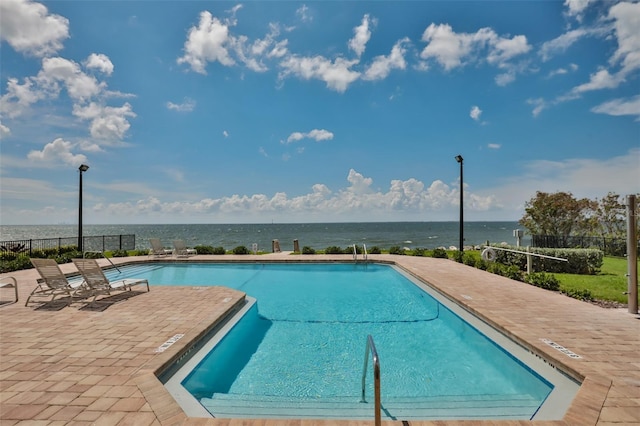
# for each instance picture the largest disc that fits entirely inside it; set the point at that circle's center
(371, 347)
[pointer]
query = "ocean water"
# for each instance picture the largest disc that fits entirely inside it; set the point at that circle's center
(316, 235)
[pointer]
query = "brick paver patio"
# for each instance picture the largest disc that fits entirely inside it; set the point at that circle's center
(78, 366)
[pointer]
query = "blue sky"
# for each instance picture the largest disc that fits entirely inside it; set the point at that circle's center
(224, 112)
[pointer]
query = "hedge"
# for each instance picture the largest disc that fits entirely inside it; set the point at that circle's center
(580, 261)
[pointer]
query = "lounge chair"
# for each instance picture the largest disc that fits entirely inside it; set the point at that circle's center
(97, 282)
(181, 249)
(157, 250)
(53, 282)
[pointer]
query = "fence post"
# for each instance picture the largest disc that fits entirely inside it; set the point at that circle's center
(529, 261)
(632, 256)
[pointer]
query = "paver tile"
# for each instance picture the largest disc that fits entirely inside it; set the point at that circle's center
(98, 368)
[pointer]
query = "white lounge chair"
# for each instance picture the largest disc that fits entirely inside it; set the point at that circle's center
(181, 249)
(98, 283)
(53, 282)
(157, 250)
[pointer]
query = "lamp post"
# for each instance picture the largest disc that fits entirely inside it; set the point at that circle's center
(460, 160)
(82, 168)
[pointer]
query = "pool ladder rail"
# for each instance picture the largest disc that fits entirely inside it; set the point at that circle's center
(371, 347)
(365, 255)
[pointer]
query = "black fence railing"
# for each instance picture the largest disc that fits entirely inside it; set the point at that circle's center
(610, 246)
(89, 243)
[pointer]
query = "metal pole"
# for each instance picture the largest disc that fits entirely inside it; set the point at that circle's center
(632, 256)
(82, 168)
(460, 160)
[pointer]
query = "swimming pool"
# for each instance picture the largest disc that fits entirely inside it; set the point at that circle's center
(298, 350)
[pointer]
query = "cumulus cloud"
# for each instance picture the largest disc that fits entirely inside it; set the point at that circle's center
(100, 62)
(627, 20)
(576, 8)
(4, 131)
(187, 105)
(475, 113)
(56, 151)
(304, 13)
(29, 28)
(209, 41)
(109, 124)
(452, 50)
(618, 107)
(361, 36)
(316, 134)
(409, 196)
(382, 65)
(337, 74)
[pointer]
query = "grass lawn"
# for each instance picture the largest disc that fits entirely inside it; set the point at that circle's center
(609, 284)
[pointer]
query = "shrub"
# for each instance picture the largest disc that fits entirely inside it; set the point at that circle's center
(396, 250)
(580, 261)
(93, 255)
(241, 250)
(439, 253)
(583, 294)
(140, 252)
(8, 256)
(375, 250)
(458, 255)
(417, 252)
(308, 250)
(543, 280)
(19, 263)
(513, 272)
(204, 249)
(481, 264)
(120, 253)
(219, 250)
(333, 250)
(469, 259)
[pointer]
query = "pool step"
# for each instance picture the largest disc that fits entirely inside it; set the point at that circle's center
(447, 407)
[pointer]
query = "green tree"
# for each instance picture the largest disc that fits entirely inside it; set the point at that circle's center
(611, 216)
(559, 214)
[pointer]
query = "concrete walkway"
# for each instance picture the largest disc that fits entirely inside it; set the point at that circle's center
(79, 366)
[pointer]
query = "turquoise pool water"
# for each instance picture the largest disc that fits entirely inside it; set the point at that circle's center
(299, 350)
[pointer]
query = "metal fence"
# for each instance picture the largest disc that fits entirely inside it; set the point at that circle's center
(89, 243)
(610, 246)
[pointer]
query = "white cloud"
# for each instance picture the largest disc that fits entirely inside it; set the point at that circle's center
(99, 62)
(109, 124)
(29, 28)
(56, 151)
(494, 146)
(539, 104)
(18, 97)
(361, 36)
(475, 112)
(561, 43)
(225, 133)
(337, 74)
(187, 105)
(79, 85)
(598, 80)
(208, 42)
(315, 134)
(575, 8)
(627, 22)
(452, 50)
(382, 65)
(4, 131)
(304, 14)
(618, 107)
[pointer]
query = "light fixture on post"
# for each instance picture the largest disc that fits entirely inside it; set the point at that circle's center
(82, 168)
(460, 160)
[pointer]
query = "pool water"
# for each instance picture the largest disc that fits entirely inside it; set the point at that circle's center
(304, 339)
